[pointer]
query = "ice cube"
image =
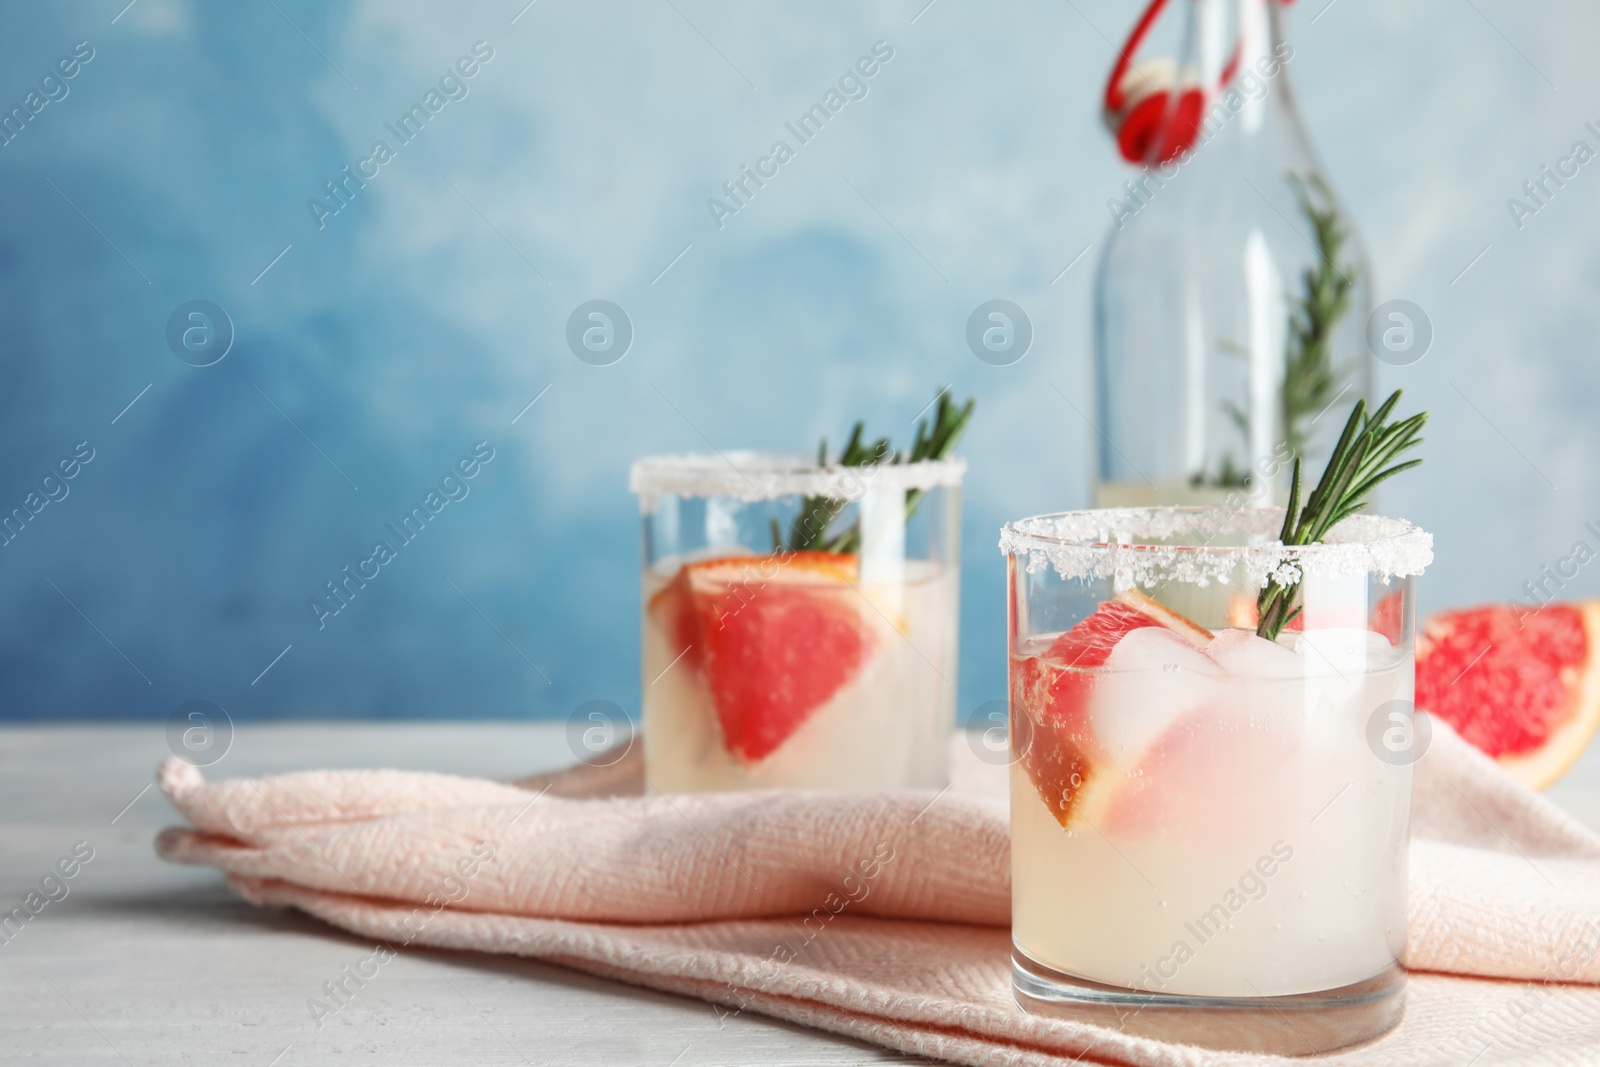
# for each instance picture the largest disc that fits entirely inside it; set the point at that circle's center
(1242, 653)
(1152, 678)
(1344, 651)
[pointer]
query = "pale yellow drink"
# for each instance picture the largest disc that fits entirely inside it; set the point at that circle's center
(1229, 832)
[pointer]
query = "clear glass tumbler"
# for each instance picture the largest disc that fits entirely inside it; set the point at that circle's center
(799, 621)
(1208, 826)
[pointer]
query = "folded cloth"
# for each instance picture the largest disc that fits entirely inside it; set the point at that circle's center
(882, 916)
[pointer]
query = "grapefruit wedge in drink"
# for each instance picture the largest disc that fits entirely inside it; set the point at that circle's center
(1057, 744)
(772, 639)
(797, 670)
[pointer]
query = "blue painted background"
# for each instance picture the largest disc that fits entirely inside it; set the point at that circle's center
(422, 317)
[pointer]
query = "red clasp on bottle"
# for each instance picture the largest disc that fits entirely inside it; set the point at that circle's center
(1140, 110)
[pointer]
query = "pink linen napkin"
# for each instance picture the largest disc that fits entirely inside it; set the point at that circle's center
(881, 916)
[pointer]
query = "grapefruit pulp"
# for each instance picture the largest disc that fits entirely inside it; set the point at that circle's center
(773, 637)
(1523, 686)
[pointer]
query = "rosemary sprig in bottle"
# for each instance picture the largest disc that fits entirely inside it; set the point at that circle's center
(810, 528)
(1311, 380)
(1363, 458)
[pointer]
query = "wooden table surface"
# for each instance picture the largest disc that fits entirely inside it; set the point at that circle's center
(144, 962)
(148, 963)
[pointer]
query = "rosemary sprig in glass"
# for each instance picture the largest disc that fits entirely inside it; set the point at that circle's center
(810, 528)
(1363, 458)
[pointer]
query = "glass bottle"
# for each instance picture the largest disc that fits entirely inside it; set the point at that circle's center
(1232, 296)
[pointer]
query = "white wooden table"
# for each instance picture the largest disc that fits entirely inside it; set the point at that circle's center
(148, 963)
(144, 962)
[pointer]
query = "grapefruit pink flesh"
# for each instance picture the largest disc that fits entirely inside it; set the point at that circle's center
(1203, 772)
(1059, 753)
(774, 639)
(1524, 687)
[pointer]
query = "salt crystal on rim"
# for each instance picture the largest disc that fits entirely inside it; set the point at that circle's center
(767, 475)
(1099, 544)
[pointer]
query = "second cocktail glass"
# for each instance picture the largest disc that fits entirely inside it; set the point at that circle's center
(799, 621)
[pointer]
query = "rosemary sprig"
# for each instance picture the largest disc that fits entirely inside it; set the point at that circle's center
(810, 528)
(1311, 381)
(1361, 460)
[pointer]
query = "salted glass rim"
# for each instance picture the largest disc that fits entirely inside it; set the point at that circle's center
(750, 475)
(1097, 543)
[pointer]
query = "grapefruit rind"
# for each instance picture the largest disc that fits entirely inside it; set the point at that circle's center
(1058, 747)
(717, 573)
(1182, 625)
(1540, 768)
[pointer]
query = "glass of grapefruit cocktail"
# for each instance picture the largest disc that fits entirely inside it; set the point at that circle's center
(767, 665)
(1209, 824)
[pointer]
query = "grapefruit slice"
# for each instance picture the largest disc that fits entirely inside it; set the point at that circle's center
(1203, 772)
(1060, 754)
(1522, 686)
(775, 638)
